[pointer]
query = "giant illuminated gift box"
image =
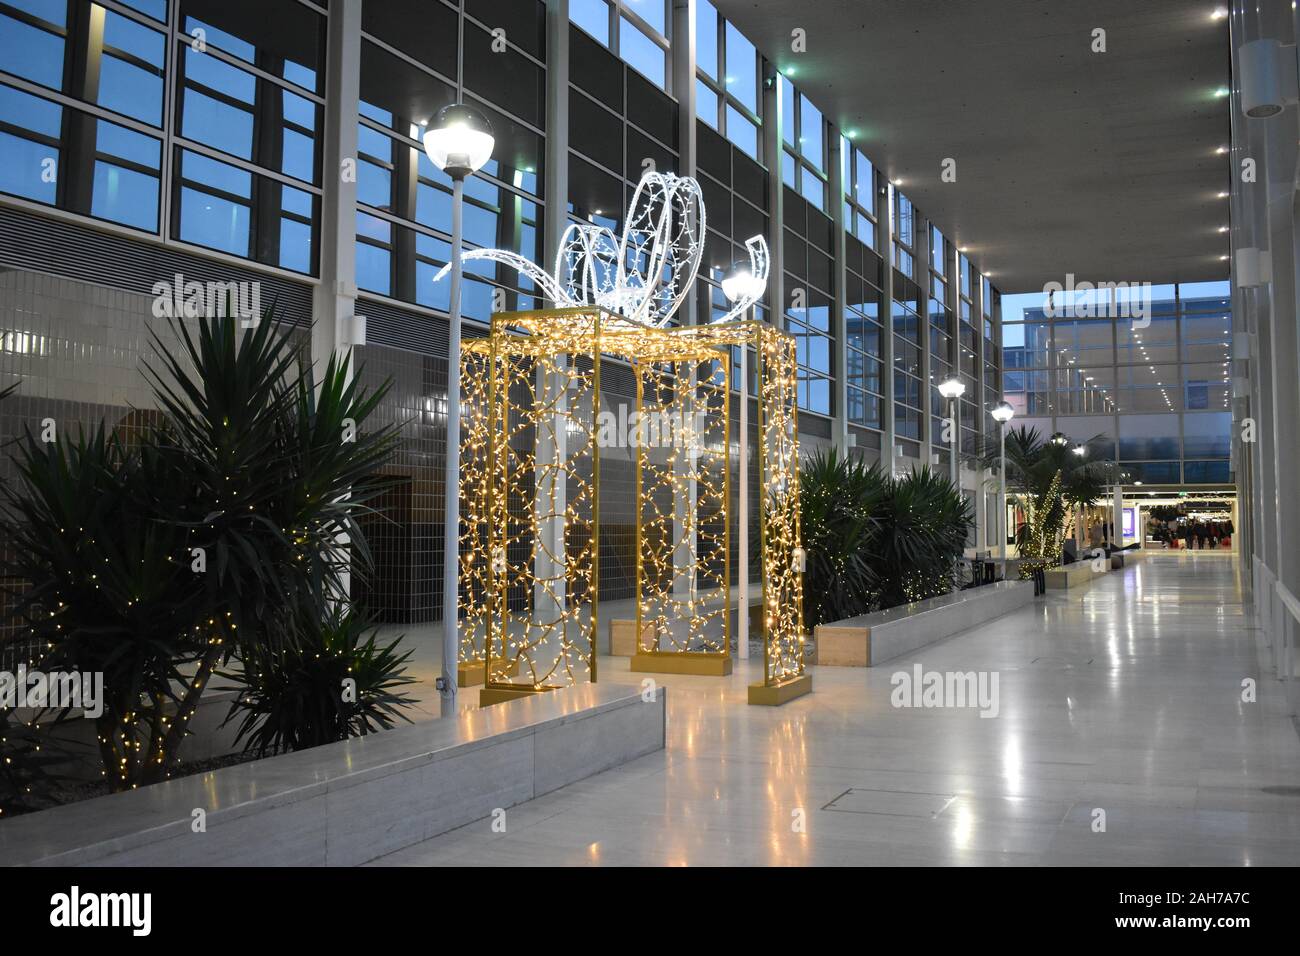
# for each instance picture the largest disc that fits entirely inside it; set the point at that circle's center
(536, 423)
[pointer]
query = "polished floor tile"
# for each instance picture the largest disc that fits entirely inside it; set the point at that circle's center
(1120, 703)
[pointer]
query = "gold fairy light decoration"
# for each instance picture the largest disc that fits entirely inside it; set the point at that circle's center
(533, 432)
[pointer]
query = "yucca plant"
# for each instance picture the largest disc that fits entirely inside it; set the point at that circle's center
(335, 682)
(921, 531)
(215, 534)
(838, 496)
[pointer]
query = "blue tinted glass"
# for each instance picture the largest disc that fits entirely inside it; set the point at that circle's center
(432, 207)
(125, 196)
(223, 176)
(51, 11)
(789, 172)
(299, 156)
(742, 132)
(706, 38)
(382, 117)
(372, 227)
(642, 53)
(133, 38)
(29, 112)
(592, 16)
(813, 189)
(299, 110)
(864, 182)
(651, 11)
(211, 36)
(480, 226)
(706, 103)
(295, 200)
(303, 76)
(295, 245)
(130, 90)
(214, 222)
(374, 185)
(211, 121)
(742, 69)
(31, 53)
(218, 75)
(373, 271)
(127, 144)
(811, 140)
(26, 168)
(374, 144)
(151, 8)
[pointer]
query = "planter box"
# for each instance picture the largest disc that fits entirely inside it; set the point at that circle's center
(347, 803)
(873, 639)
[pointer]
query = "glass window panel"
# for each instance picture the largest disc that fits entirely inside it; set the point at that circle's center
(706, 38)
(1208, 435)
(642, 53)
(742, 69)
(30, 52)
(23, 171)
(742, 132)
(706, 103)
(150, 8)
(651, 11)
(812, 142)
(285, 39)
(51, 11)
(592, 16)
(218, 124)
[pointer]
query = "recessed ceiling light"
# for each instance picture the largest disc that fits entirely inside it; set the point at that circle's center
(1219, 13)
(1223, 195)
(1223, 229)
(1221, 150)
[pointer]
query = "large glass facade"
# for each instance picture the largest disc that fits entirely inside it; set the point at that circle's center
(1149, 386)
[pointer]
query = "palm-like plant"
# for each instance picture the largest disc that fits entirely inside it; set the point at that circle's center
(838, 497)
(218, 534)
(336, 682)
(920, 537)
(1052, 482)
(876, 541)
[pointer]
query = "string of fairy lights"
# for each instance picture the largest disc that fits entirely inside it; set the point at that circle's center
(530, 492)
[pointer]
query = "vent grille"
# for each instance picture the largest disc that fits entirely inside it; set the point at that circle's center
(72, 251)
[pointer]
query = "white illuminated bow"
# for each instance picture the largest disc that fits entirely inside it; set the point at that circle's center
(647, 274)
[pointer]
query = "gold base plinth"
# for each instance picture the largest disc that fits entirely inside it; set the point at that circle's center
(774, 695)
(470, 673)
(682, 662)
(500, 695)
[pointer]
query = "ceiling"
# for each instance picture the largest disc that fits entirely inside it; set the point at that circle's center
(1068, 161)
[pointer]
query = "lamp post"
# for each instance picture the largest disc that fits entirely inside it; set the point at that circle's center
(1002, 413)
(740, 284)
(459, 142)
(953, 389)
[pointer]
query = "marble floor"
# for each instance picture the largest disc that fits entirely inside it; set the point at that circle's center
(1125, 697)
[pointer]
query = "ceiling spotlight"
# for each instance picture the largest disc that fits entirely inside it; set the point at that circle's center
(1223, 229)
(1221, 150)
(1219, 13)
(1223, 195)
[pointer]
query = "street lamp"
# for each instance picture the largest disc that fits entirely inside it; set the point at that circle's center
(1059, 440)
(953, 389)
(742, 284)
(459, 142)
(1003, 413)
(1081, 450)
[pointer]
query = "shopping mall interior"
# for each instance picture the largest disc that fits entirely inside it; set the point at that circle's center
(973, 326)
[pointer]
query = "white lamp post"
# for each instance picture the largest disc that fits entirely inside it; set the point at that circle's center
(459, 142)
(739, 285)
(1003, 413)
(953, 389)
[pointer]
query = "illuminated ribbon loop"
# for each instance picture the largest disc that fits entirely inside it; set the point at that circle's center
(645, 274)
